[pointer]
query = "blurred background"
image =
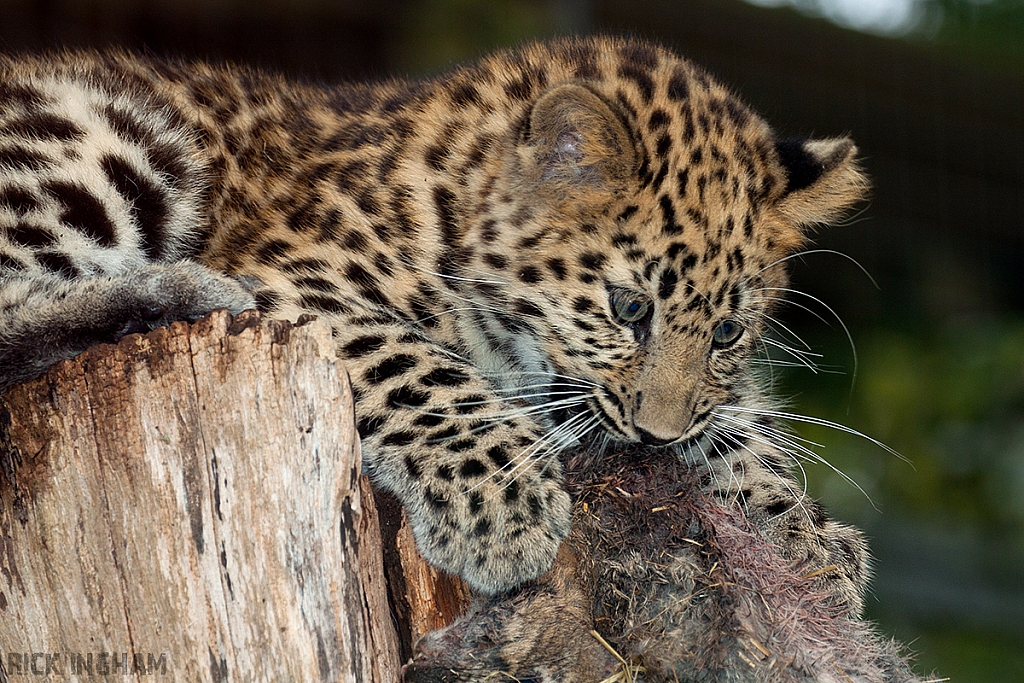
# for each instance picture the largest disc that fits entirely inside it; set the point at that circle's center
(933, 93)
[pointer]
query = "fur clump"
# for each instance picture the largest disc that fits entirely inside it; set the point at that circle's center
(659, 582)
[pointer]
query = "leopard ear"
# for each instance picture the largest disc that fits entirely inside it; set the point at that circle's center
(575, 142)
(824, 179)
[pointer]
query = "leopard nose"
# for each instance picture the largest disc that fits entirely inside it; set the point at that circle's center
(650, 439)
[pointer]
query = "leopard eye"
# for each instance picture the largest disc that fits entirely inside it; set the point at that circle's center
(726, 334)
(629, 307)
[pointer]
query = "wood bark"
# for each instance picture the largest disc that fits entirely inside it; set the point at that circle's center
(423, 599)
(190, 502)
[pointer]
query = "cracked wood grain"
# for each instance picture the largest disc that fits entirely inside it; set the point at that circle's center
(194, 493)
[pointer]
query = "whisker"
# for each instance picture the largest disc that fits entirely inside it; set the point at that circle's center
(775, 438)
(543, 385)
(484, 273)
(846, 330)
(787, 443)
(525, 398)
(450, 310)
(790, 350)
(455, 277)
(524, 454)
(766, 360)
(502, 415)
(815, 421)
(854, 218)
(801, 356)
(547, 442)
(832, 252)
(707, 462)
(586, 428)
(779, 362)
(526, 373)
(775, 325)
(795, 304)
(800, 497)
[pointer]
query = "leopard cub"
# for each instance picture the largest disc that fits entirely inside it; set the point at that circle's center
(573, 242)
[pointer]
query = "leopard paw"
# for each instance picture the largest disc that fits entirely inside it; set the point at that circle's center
(158, 295)
(496, 537)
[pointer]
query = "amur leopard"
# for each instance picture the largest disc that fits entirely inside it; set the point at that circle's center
(579, 241)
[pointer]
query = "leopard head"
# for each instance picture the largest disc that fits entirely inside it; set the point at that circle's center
(638, 246)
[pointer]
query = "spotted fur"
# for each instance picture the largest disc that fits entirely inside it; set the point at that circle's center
(579, 240)
(656, 583)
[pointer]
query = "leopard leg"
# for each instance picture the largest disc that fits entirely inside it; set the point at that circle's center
(45, 318)
(480, 481)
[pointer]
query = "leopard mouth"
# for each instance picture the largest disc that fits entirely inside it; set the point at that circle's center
(608, 424)
(696, 432)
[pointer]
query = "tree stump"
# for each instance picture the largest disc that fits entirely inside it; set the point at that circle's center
(190, 502)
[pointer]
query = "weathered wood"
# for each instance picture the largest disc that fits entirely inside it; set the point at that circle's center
(423, 599)
(191, 499)
(435, 598)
